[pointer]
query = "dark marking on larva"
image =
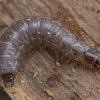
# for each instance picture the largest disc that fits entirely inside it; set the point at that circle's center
(22, 34)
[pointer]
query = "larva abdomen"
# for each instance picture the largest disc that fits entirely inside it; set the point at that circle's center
(37, 30)
(47, 30)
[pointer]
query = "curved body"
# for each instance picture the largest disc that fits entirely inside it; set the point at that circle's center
(37, 30)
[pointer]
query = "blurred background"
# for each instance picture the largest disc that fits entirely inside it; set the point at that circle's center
(3, 94)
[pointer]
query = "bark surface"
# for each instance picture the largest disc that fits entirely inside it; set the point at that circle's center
(41, 77)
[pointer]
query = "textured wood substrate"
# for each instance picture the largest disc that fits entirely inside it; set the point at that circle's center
(40, 78)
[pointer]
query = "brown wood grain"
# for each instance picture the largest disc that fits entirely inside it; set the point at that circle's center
(40, 78)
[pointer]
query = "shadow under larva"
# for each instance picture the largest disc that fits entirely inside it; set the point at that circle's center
(25, 33)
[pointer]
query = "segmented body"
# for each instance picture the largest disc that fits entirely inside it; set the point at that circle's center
(36, 30)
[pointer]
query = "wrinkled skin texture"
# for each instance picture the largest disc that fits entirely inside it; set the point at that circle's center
(37, 30)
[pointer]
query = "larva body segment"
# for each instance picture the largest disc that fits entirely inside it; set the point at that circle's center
(36, 30)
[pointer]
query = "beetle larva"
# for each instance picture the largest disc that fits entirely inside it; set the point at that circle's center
(37, 30)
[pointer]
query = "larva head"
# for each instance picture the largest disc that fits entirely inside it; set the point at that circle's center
(8, 77)
(97, 62)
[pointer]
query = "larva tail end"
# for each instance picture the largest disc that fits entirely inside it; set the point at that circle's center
(8, 77)
(97, 63)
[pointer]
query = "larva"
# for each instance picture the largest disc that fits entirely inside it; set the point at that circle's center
(38, 30)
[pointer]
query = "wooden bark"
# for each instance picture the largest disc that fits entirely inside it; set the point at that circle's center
(41, 78)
